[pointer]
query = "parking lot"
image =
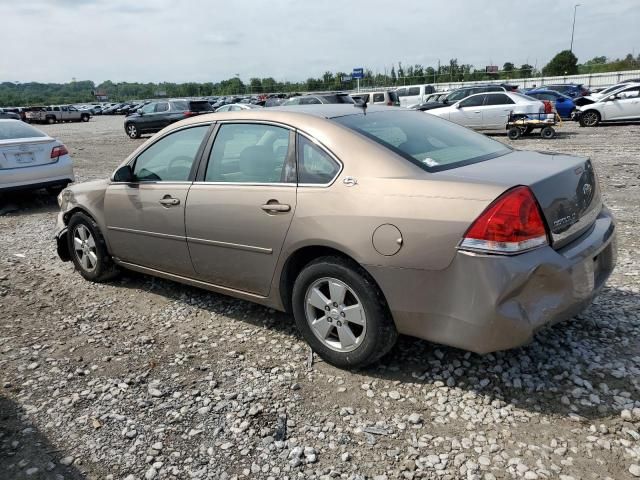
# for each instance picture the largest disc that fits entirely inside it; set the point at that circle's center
(146, 378)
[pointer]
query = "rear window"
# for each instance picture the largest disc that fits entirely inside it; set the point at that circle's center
(338, 98)
(15, 129)
(425, 140)
(202, 106)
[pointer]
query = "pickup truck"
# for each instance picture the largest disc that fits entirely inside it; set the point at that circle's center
(57, 113)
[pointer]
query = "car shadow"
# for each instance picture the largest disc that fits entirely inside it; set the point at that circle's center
(27, 201)
(25, 452)
(548, 370)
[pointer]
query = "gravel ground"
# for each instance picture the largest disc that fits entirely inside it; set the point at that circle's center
(143, 378)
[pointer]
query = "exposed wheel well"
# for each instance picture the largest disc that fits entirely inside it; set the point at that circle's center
(302, 257)
(70, 213)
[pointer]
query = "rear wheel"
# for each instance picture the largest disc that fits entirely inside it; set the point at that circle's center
(88, 249)
(84, 118)
(342, 313)
(548, 133)
(51, 120)
(590, 118)
(132, 130)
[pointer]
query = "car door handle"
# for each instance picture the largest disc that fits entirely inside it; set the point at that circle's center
(169, 201)
(275, 207)
(476, 111)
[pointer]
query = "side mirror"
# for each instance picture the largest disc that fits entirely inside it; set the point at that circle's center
(123, 174)
(458, 105)
(612, 98)
(140, 112)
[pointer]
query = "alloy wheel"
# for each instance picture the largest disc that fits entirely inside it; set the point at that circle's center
(335, 314)
(132, 131)
(84, 246)
(590, 119)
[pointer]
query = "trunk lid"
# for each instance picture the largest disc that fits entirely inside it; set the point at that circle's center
(26, 152)
(565, 186)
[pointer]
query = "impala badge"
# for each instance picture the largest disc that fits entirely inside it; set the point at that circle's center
(350, 181)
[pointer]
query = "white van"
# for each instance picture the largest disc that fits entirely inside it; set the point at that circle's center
(414, 94)
(383, 97)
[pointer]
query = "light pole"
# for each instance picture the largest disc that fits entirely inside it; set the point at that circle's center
(575, 8)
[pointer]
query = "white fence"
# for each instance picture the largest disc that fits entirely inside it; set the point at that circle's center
(589, 80)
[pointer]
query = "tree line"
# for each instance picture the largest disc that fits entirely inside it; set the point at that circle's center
(564, 63)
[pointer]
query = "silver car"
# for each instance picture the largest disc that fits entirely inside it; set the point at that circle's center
(29, 159)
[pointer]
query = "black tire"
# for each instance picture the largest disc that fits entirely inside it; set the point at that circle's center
(84, 118)
(514, 133)
(590, 118)
(51, 120)
(105, 269)
(380, 335)
(132, 130)
(548, 133)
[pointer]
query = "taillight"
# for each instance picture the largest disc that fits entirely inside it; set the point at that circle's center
(59, 151)
(511, 224)
(548, 108)
(187, 114)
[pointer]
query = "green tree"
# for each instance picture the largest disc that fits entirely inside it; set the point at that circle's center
(508, 67)
(526, 70)
(564, 63)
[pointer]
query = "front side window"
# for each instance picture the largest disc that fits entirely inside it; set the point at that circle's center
(170, 159)
(413, 91)
(498, 99)
(427, 141)
(378, 97)
(315, 166)
(473, 101)
(631, 92)
(149, 108)
(249, 153)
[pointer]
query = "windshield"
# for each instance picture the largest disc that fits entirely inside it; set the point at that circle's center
(14, 129)
(430, 142)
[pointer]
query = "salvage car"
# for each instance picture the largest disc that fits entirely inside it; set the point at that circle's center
(490, 111)
(31, 159)
(622, 104)
(364, 223)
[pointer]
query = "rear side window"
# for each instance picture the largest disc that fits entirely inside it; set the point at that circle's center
(498, 99)
(179, 106)
(249, 153)
(315, 166)
(413, 91)
(162, 107)
(427, 141)
(402, 92)
(309, 101)
(16, 130)
(338, 99)
(493, 89)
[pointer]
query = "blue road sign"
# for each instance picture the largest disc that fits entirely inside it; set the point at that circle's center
(358, 73)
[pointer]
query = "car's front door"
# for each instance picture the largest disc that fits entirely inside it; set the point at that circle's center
(625, 106)
(145, 217)
(468, 112)
(241, 205)
(146, 118)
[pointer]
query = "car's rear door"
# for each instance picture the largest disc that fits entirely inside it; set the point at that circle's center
(241, 205)
(145, 217)
(495, 110)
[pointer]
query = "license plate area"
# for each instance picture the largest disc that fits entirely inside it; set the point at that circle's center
(24, 158)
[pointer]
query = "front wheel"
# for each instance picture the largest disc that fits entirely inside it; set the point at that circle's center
(514, 133)
(132, 130)
(590, 118)
(342, 313)
(88, 249)
(84, 118)
(51, 120)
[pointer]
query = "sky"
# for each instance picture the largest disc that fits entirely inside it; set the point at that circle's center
(212, 40)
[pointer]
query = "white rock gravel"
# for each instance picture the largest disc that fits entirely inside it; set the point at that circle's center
(144, 378)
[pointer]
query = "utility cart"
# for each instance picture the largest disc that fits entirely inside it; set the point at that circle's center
(519, 124)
